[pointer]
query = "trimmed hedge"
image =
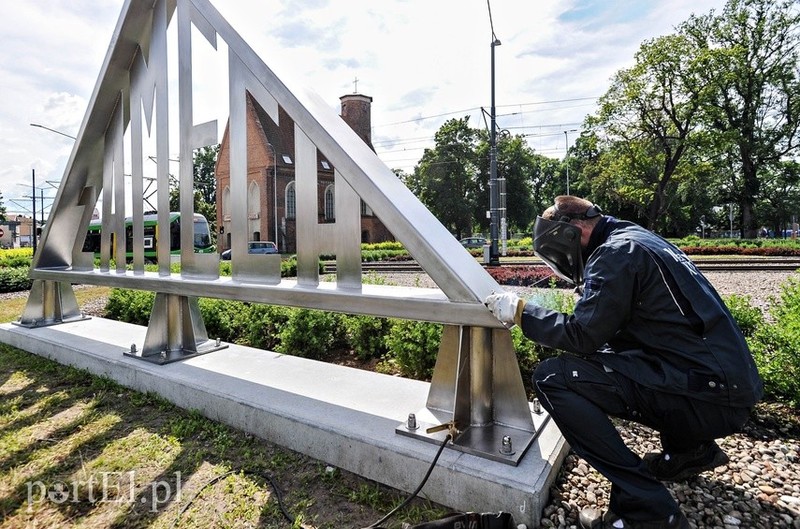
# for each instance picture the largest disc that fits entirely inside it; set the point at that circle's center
(15, 279)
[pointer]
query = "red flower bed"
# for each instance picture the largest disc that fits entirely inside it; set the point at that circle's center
(770, 251)
(525, 276)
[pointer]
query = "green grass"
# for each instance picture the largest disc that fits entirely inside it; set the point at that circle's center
(64, 431)
(11, 309)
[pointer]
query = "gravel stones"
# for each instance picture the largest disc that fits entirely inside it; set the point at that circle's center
(759, 488)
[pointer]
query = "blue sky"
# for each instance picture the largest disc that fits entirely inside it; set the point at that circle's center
(422, 61)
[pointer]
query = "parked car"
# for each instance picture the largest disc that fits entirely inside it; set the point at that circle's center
(253, 247)
(262, 247)
(473, 242)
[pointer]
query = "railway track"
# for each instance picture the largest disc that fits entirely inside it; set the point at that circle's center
(722, 264)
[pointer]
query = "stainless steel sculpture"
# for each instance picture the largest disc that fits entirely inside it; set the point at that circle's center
(476, 390)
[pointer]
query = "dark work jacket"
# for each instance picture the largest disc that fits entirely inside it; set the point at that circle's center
(650, 315)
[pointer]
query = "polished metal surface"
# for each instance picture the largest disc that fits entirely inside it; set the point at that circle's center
(424, 304)
(476, 386)
(175, 332)
(50, 303)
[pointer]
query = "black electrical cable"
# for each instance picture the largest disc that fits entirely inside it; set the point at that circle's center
(419, 488)
(264, 475)
(279, 497)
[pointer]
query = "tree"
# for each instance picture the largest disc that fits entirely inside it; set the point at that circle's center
(646, 121)
(750, 63)
(515, 162)
(445, 178)
(545, 182)
(780, 196)
(205, 162)
(2, 209)
(205, 187)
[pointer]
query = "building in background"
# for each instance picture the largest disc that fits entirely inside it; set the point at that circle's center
(271, 201)
(16, 231)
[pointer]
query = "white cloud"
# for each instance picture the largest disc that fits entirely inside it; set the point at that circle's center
(416, 58)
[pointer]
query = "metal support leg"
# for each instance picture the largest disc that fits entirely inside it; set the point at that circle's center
(50, 303)
(477, 392)
(175, 332)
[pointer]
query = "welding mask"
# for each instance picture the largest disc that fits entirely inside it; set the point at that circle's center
(558, 244)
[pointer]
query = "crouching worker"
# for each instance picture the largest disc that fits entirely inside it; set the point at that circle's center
(651, 342)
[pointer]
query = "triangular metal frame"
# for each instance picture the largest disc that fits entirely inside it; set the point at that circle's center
(132, 82)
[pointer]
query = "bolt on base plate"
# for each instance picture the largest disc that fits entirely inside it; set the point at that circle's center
(483, 441)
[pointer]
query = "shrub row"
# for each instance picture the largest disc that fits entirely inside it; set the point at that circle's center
(15, 279)
(775, 344)
(410, 347)
(404, 347)
(16, 257)
(768, 251)
(15, 264)
(315, 334)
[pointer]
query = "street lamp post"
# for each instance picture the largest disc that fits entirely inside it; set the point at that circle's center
(566, 157)
(53, 130)
(494, 254)
(33, 201)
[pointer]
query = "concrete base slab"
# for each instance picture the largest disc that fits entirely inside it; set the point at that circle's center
(343, 416)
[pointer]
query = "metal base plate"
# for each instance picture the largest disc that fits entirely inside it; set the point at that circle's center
(167, 357)
(483, 441)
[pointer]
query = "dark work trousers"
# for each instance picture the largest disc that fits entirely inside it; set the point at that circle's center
(580, 394)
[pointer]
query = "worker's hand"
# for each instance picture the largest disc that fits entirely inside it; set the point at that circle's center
(506, 307)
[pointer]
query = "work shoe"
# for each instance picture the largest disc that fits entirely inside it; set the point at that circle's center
(679, 467)
(591, 518)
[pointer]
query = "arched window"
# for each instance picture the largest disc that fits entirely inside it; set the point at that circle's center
(291, 201)
(254, 211)
(225, 221)
(330, 205)
(366, 211)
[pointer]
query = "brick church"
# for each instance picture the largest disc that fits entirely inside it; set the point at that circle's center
(270, 178)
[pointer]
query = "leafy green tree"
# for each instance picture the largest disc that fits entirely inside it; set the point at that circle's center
(646, 123)
(205, 192)
(445, 180)
(2, 209)
(780, 196)
(515, 162)
(545, 182)
(205, 161)
(750, 67)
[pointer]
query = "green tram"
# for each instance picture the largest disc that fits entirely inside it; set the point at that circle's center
(153, 233)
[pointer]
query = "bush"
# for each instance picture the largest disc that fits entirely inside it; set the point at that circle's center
(366, 335)
(16, 258)
(259, 325)
(289, 267)
(132, 306)
(15, 279)
(222, 318)
(311, 333)
(526, 243)
(413, 347)
(775, 346)
(775, 352)
(748, 317)
(382, 255)
(386, 245)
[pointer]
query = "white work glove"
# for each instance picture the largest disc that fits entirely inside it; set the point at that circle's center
(506, 307)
